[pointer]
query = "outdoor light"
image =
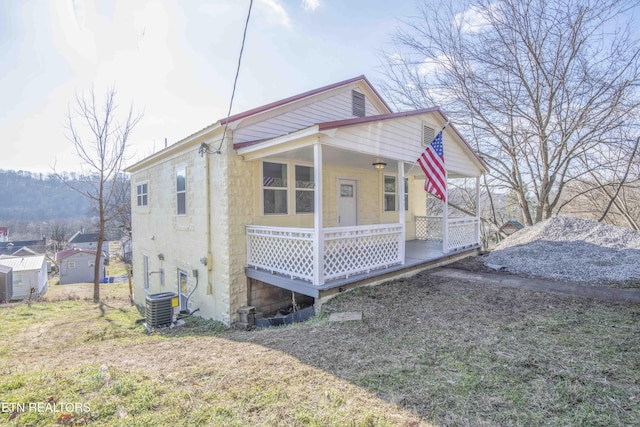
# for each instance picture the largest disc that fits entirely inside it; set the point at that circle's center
(379, 165)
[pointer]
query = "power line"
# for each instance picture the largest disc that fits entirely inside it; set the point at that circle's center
(235, 80)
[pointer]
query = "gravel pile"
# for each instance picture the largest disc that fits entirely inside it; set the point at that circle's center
(571, 249)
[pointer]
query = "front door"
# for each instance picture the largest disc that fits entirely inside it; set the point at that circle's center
(347, 202)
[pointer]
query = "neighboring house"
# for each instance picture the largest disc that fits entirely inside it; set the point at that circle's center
(308, 196)
(35, 246)
(89, 241)
(126, 249)
(77, 266)
(510, 227)
(29, 272)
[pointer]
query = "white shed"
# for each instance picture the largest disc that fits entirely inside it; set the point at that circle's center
(28, 272)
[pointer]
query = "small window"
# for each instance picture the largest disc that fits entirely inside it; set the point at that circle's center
(141, 193)
(145, 271)
(389, 193)
(71, 265)
(91, 263)
(274, 188)
(181, 191)
(304, 189)
(358, 103)
(406, 194)
(428, 134)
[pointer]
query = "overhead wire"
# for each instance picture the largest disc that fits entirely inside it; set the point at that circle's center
(235, 80)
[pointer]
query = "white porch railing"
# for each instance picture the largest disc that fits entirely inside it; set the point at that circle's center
(347, 250)
(354, 250)
(428, 228)
(462, 232)
(282, 250)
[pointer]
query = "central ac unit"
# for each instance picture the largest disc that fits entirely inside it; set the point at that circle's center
(161, 310)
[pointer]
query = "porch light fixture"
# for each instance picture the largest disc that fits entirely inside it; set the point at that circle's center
(379, 165)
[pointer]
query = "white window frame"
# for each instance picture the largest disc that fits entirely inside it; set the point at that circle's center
(286, 188)
(296, 189)
(385, 193)
(71, 265)
(180, 170)
(142, 197)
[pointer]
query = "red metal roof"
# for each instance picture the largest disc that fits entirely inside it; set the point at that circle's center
(69, 252)
(366, 119)
(303, 95)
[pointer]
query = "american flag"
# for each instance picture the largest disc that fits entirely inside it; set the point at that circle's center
(432, 163)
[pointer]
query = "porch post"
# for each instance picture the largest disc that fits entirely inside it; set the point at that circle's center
(477, 209)
(445, 218)
(318, 235)
(401, 207)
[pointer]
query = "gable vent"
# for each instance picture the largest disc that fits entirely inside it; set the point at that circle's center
(358, 103)
(428, 134)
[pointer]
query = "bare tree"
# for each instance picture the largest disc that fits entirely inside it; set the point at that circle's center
(541, 85)
(58, 236)
(100, 141)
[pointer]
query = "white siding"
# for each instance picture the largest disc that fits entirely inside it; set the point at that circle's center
(336, 107)
(400, 139)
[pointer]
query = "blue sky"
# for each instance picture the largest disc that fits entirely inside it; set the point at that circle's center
(175, 60)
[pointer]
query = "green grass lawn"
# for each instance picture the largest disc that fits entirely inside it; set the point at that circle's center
(428, 352)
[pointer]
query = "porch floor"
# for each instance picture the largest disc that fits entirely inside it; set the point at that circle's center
(418, 253)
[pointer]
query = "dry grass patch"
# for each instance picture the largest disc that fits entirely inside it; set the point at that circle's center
(71, 350)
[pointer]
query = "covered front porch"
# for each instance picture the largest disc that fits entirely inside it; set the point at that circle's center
(343, 201)
(284, 257)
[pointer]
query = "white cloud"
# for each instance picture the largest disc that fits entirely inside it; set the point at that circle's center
(472, 20)
(310, 5)
(433, 65)
(276, 12)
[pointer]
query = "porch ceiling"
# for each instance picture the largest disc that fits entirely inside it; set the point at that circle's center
(350, 159)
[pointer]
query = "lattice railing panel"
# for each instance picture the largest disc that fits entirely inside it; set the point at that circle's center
(353, 250)
(428, 228)
(282, 250)
(463, 232)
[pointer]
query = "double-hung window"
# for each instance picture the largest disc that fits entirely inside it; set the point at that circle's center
(274, 188)
(304, 189)
(142, 194)
(181, 191)
(389, 193)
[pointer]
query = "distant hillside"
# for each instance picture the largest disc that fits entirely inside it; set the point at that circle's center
(39, 197)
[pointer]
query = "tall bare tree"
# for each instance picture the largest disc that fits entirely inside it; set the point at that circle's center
(100, 141)
(541, 85)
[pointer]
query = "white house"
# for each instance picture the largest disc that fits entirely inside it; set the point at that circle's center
(29, 275)
(311, 194)
(89, 241)
(78, 266)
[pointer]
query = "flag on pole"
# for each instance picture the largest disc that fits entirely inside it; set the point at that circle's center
(432, 163)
